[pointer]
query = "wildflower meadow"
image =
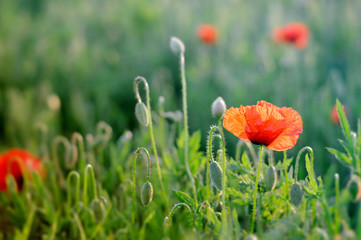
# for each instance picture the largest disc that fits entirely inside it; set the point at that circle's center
(180, 119)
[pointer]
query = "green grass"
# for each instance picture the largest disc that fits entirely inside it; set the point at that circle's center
(88, 53)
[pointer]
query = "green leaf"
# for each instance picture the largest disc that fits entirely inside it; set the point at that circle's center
(341, 157)
(343, 121)
(184, 197)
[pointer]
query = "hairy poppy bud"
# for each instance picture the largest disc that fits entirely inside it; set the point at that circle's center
(99, 209)
(251, 237)
(296, 194)
(176, 45)
(216, 174)
(141, 113)
(354, 188)
(270, 178)
(218, 108)
(146, 194)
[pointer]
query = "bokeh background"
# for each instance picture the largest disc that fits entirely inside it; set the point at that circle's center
(68, 64)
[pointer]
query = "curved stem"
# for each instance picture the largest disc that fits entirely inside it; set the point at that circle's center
(77, 138)
(89, 168)
(148, 177)
(136, 82)
(175, 208)
(76, 176)
(185, 116)
(298, 159)
(256, 188)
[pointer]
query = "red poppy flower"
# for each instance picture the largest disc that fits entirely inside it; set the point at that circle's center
(296, 34)
(16, 162)
(334, 115)
(265, 124)
(207, 33)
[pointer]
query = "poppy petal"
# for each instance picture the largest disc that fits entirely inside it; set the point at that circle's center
(289, 136)
(235, 122)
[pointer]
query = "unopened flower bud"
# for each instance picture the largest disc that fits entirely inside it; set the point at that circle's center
(296, 194)
(270, 178)
(176, 45)
(146, 194)
(354, 188)
(251, 237)
(216, 174)
(141, 113)
(218, 108)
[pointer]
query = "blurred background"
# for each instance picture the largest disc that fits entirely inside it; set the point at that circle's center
(68, 64)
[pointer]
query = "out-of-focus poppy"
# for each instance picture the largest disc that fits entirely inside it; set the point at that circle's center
(334, 115)
(20, 164)
(294, 33)
(207, 33)
(265, 124)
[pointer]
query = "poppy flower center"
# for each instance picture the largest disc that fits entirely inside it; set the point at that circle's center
(291, 36)
(264, 127)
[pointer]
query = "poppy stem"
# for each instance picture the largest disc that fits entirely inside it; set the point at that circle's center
(210, 159)
(298, 159)
(148, 177)
(146, 87)
(337, 203)
(185, 116)
(255, 189)
(286, 180)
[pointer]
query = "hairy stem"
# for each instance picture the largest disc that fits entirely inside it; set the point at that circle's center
(255, 189)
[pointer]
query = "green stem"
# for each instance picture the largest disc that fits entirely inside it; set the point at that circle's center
(88, 169)
(136, 82)
(256, 188)
(298, 159)
(224, 168)
(210, 159)
(286, 179)
(185, 116)
(134, 170)
(337, 204)
(238, 151)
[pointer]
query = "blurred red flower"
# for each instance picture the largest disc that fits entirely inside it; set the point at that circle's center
(334, 115)
(207, 33)
(265, 124)
(20, 164)
(294, 33)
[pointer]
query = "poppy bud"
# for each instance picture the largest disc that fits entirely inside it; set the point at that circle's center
(251, 237)
(141, 113)
(216, 174)
(353, 187)
(176, 45)
(296, 194)
(146, 194)
(98, 208)
(218, 108)
(270, 178)
(334, 117)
